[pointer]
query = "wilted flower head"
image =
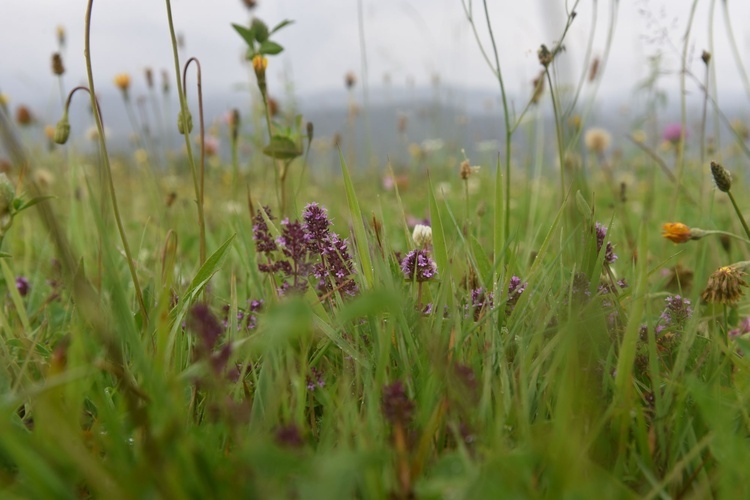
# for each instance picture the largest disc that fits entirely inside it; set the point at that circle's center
(725, 285)
(673, 133)
(422, 235)
(418, 266)
(597, 140)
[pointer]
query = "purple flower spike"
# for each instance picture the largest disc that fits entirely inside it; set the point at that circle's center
(418, 266)
(676, 313)
(609, 254)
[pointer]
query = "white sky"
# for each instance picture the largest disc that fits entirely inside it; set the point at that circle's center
(408, 39)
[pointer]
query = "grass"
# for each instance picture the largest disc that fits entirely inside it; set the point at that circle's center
(541, 339)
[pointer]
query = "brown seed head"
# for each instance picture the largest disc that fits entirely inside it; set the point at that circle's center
(57, 64)
(250, 4)
(465, 169)
(164, 81)
(706, 57)
(722, 177)
(538, 88)
(545, 56)
(725, 286)
(273, 106)
(24, 116)
(594, 69)
(149, 77)
(350, 80)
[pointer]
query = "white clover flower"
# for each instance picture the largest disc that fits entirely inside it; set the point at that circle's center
(422, 235)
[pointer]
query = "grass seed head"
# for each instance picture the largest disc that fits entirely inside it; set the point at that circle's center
(722, 177)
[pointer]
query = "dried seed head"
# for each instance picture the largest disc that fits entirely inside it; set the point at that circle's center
(250, 4)
(545, 56)
(57, 64)
(597, 140)
(594, 69)
(310, 131)
(722, 177)
(164, 81)
(149, 77)
(234, 124)
(725, 285)
(273, 107)
(706, 57)
(350, 80)
(538, 88)
(24, 116)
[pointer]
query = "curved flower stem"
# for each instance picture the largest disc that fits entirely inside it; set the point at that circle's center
(107, 167)
(558, 131)
(184, 113)
(200, 186)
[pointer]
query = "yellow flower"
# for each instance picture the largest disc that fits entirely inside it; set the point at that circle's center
(676, 232)
(725, 285)
(122, 81)
(260, 63)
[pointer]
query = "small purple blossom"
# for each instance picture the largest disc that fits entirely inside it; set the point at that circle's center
(22, 285)
(397, 407)
(418, 266)
(740, 330)
(515, 289)
(481, 299)
(315, 379)
(264, 242)
(673, 133)
(609, 254)
(676, 313)
(316, 226)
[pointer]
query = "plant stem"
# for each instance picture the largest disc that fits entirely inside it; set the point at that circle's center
(184, 110)
(107, 168)
(739, 214)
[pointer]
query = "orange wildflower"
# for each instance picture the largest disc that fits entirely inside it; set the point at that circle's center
(122, 81)
(677, 232)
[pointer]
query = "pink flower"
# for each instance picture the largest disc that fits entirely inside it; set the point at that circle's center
(673, 133)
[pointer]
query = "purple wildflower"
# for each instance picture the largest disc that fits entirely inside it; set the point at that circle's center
(675, 314)
(397, 407)
(418, 266)
(22, 285)
(336, 267)
(741, 330)
(515, 289)
(316, 226)
(293, 245)
(673, 133)
(481, 299)
(315, 379)
(609, 254)
(264, 242)
(206, 325)
(289, 436)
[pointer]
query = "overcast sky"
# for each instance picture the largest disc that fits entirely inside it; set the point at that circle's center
(410, 40)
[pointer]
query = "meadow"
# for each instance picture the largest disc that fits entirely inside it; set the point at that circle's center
(175, 323)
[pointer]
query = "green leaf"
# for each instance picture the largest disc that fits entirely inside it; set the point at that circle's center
(439, 245)
(285, 22)
(247, 34)
(270, 48)
(359, 226)
(282, 148)
(33, 201)
(207, 270)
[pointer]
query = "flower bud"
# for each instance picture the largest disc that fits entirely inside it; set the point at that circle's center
(57, 64)
(422, 235)
(722, 177)
(62, 130)
(7, 195)
(181, 121)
